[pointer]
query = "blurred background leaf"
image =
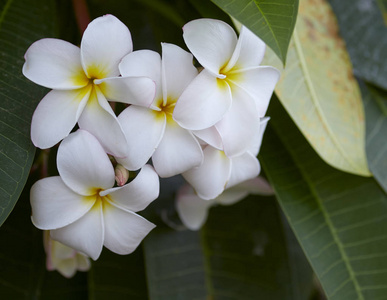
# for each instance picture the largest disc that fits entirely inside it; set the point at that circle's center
(365, 34)
(22, 22)
(273, 21)
(339, 219)
(319, 92)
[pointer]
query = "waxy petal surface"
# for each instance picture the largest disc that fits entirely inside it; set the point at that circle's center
(56, 115)
(257, 140)
(105, 42)
(244, 167)
(55, 64)
(86, 235)
(177, 152)
(83, 164)
(203, 103)
(210, 136)
(54, 205)
(124, 230)
(212, 42)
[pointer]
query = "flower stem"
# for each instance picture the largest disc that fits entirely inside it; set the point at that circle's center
(81, 14)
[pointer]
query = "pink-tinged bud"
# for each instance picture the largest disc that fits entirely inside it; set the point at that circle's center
(122, 175)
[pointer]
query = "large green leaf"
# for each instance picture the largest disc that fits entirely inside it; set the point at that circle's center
(21, 23)
(365, 34)
(319, 92)
(243, 252)
(273, 21)
(374, 101)
(339, 219)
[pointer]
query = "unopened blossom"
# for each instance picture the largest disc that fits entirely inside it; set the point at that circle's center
(219, 171)
(152, 132)
(81, 207)
(83, 79)
(64, 259)
(233, 91)
(193, 210)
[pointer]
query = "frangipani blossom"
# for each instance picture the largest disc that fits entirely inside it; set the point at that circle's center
(82, 80)
(81, 207)
(153, 132)
(64, 259)
(232, 91)
(193, 210)
(219, 172)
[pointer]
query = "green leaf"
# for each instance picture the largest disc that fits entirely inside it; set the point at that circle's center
(339, 219)
(243, 252)
(383, 9)
(21, 23)
(319, 92)
(272, 20)
(374, 101)
(365, 34)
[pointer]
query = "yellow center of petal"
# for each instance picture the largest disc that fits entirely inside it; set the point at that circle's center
(165, 110)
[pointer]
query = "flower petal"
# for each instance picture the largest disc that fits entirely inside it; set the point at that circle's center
(210, 178)
(178, 70)
(86, 235)
(249, 51)
(177, 152)
(54, 205)
(203, 103)
(212, 42)
(137, 194)
(124, 230)
(259, 82)
(105, 42)
(130, 90)
(99, 119)
(56, 115)
(257, 140)
(55, 64)
(192, 210)
(240, 124)
(244, 167)
(256, 186)
(210, 136)
(145, 63)
(144, 129)
(83, 164)
(231, 196)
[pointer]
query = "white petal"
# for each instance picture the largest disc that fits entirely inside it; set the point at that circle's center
(86, 235)
(249, 51)
(124, 230)
(56, 115)
(145, 63)
(105, 42)
(257, 140)
(55, 64)
(99, 119)
(212, 42)
(83, 262)
(259, 82)
(244, 167)
(203, 103)
(178, 70)
(210, 178)
(256, 186)
(210, 136)
(54, 205)
(83, 164)
(177, 152)
(137, 194)
(144, 129)
(130, 90)
(192, 210)
(239, 125)
(231, 196)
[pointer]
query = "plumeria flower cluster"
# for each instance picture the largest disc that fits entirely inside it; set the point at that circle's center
(205, 123)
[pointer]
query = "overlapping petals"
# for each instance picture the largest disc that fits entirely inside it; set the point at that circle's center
(81, 208)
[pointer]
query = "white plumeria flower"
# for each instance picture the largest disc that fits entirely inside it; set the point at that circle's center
(81, 79)
(81, 208)
(64, 259)
(219, 172)
(193, 210)
(152, 132)
(232, 91)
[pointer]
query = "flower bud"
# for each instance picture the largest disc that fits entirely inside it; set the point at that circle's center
(122, 175)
